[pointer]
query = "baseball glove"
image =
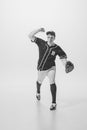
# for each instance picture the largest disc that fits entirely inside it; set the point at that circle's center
(69, 66)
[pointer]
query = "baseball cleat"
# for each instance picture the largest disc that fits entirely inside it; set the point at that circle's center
(38, 96)
(53, 106)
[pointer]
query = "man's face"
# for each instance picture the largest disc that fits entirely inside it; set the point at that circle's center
(50, 38)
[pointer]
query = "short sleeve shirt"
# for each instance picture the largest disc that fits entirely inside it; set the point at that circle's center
(47, 54)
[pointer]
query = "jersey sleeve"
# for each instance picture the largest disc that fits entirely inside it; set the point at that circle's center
(61, 53)
(38, 41)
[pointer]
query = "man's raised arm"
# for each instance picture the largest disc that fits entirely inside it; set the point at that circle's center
(32, 34)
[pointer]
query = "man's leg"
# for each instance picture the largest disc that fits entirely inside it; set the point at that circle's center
(38, 86)
(53, 88)
(41, 76)
(53, 92)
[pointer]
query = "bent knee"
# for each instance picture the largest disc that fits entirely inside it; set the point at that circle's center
(52, 81)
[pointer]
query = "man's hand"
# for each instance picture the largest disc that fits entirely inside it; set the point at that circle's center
(42, 30)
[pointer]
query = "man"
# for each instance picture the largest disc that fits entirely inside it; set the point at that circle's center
(48, 51)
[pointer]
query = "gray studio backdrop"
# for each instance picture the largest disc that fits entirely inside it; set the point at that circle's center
(18, 56)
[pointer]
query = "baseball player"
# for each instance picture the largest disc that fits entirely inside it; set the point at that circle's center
(48, 51)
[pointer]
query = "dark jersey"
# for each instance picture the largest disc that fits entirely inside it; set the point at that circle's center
(47, 54)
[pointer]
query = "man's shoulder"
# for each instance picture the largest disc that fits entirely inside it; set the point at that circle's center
(39, 41)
